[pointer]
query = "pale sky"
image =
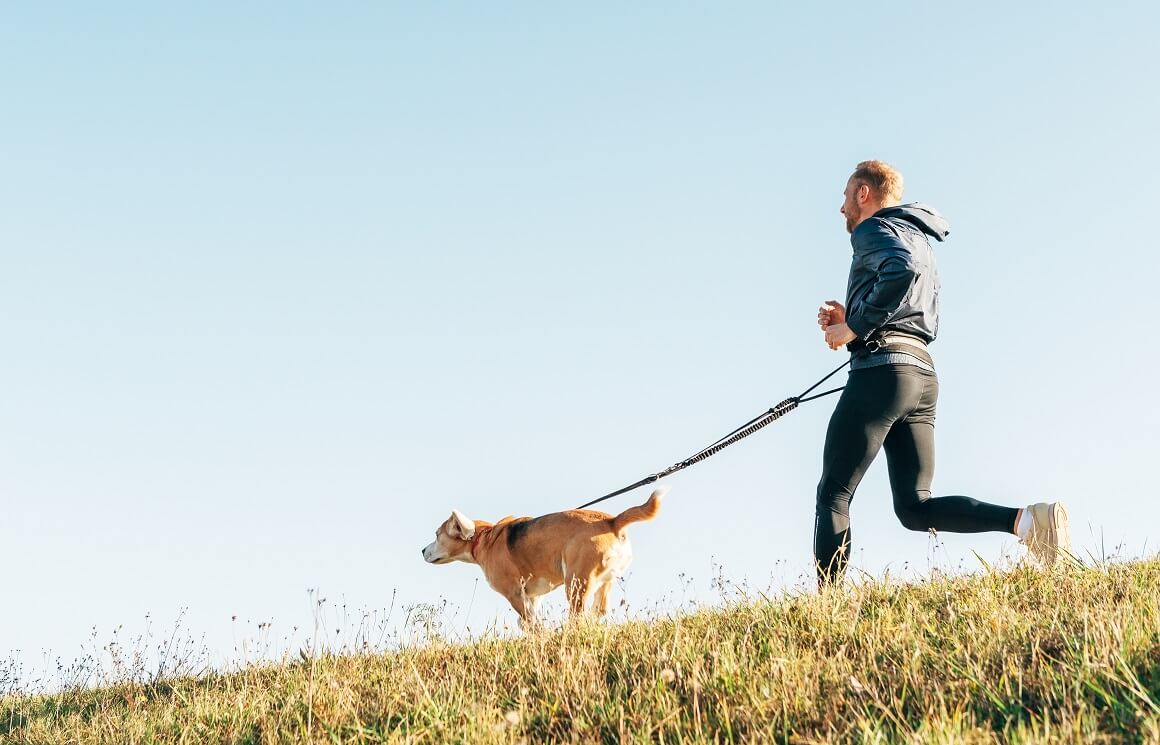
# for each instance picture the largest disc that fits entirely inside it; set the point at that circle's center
(283, 284)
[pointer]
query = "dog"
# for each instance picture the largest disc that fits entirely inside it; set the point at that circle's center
(524, 558)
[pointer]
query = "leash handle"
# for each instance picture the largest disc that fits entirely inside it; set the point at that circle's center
(802, 396)
(820, 395)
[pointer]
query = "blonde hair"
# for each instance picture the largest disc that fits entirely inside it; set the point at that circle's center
(882, 178)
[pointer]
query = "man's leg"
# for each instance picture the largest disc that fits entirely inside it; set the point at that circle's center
(910, 458)
(873, 400)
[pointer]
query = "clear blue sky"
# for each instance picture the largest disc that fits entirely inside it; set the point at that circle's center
(282, 284)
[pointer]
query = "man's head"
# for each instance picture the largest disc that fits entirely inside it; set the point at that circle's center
(872, 186)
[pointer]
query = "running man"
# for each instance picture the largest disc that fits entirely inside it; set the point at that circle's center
(890, 316)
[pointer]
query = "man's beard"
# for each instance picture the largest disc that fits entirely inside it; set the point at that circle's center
(852, 221)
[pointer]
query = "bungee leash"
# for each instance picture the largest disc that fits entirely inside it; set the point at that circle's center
(761, 420)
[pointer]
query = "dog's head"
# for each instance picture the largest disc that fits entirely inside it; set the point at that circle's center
(452, 540)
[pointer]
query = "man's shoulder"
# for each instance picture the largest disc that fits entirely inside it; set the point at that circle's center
(877, 234)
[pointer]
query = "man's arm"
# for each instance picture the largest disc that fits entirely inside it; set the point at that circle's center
(895, 273)
(832, 319)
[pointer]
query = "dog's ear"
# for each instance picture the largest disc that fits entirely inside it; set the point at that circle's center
(462, 526)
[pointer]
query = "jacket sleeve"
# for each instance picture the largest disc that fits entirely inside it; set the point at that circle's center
(887, 256)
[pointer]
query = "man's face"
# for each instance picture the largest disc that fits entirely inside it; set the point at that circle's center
(850, 207)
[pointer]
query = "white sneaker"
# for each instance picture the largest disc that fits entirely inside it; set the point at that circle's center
(1049, 536)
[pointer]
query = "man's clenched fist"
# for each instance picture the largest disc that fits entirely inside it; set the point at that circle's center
(832, 319)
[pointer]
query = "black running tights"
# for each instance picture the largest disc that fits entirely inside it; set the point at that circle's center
(891, 407)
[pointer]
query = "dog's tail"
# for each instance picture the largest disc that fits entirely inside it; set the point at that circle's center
(640, 513)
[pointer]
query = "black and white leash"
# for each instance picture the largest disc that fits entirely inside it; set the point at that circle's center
(761, 420)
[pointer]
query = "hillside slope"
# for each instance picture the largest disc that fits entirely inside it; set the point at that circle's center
(1018, 656)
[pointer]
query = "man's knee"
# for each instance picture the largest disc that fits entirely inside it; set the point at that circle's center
(912, 520)
(913, 516)
(832, 498)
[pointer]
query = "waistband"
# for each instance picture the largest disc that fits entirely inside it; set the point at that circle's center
(888, 344)
(879, 343)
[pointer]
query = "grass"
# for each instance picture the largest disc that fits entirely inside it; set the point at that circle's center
(1014, 656)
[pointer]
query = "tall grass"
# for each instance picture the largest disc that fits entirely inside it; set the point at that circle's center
(1013, 656)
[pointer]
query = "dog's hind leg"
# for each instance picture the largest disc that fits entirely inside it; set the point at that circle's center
(600, 598)
(579, 589)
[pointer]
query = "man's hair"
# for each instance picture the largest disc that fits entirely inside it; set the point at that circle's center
(882, 179)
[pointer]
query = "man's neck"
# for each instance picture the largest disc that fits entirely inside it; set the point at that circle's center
(873, 209)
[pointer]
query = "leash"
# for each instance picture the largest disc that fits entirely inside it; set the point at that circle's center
(759, 421)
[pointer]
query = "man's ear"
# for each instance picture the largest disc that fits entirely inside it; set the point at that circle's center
(863, 192)
(462, 526)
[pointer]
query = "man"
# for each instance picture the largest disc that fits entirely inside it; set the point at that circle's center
(890, 316)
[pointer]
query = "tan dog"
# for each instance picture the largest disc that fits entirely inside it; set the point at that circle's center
(524, 558)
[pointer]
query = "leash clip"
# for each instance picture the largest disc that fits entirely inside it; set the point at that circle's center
(875, 345)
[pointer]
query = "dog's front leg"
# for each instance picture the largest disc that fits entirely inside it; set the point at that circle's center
(531, 622)
(526, 607)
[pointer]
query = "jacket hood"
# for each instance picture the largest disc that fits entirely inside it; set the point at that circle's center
(922, 216)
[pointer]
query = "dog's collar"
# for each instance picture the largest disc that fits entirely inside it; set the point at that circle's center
(475, 539)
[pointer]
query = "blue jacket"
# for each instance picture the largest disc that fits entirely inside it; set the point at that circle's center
(893, 276)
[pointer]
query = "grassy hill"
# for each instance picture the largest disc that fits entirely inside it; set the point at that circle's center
(1015, 656)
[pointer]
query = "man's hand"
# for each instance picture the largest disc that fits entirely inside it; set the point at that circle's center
(839, 335)
(830, 313)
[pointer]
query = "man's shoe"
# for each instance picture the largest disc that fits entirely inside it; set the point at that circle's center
(1049, 537)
